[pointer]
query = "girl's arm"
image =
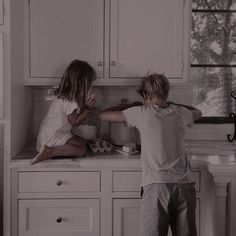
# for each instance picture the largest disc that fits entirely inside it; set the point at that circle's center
(115, 114)
(77, 118)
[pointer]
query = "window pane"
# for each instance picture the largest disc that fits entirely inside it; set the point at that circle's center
(213, 39)
(212, 90)
(214, 4)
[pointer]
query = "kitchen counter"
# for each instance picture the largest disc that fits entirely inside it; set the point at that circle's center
(214, 155)
(213, 163)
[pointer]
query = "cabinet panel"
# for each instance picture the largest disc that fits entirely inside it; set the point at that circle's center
(126, 217)
(127, 213)
(1, 12)
(63, 30)
(59, 182)
(1, 76)
(59, 217)
(146, 36)
(130, 181)
(126, 181)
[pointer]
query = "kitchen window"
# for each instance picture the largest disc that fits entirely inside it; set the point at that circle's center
(213, 58)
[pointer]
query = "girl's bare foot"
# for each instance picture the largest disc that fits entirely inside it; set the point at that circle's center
(42, 156)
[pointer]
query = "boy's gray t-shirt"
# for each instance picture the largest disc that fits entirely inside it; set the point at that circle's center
(162, 134)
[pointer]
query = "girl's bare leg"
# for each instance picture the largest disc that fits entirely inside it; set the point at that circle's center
(73, 147)
(77, 140)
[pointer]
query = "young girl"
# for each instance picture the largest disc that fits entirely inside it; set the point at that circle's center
(69, 108)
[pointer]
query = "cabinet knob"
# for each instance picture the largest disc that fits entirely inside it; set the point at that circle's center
(59, 182)
(59, 220)
(100, 63)
(113, 63)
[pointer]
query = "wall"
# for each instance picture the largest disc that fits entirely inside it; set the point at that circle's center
(105, 97)
(109, 96)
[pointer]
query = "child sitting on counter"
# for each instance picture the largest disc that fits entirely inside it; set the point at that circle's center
(70, 108)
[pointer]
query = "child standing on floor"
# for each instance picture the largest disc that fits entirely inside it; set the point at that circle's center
(168, 194)
(70, 107)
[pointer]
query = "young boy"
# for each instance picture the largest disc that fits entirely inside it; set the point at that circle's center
(168, 194)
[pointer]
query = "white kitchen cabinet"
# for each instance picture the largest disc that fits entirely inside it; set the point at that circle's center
(101, 200)
(127, 215)
(126, 212)
(1, 12)
(1, 76)
(121, 39)
(148, 36)
(70, 217)
(63, 30)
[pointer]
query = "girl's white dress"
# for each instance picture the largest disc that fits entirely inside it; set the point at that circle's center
(55, 129)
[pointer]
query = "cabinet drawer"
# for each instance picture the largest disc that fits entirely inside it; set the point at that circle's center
(131, 180)
(70, 217)
(127, 181)
(59, 182)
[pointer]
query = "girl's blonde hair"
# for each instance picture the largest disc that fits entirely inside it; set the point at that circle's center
(154, 85)
(76, 82)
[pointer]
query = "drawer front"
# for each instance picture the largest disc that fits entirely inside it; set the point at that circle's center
(131, 180)
(70, 217)
(127, 181)
(30, 182)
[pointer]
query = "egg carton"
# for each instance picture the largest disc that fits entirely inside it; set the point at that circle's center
(100, 146)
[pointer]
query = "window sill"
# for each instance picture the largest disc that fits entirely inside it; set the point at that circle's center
(210, 132)
(215, 120)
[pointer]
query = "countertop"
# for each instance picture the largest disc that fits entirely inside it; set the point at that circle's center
(217, 157)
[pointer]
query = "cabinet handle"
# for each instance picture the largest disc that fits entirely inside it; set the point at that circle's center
(113, 63)
(59, 220)
(100, 63)
(59, 182)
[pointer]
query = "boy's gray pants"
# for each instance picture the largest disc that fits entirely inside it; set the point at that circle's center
(165, 205)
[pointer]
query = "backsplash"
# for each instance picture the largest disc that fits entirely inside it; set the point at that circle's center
(105, 97)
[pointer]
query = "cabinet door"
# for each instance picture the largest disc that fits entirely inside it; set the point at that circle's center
(68, 217)
(1, 13)
(127, 213)
(1, 76)
(126, 217)
(147, 36)
(63, 30)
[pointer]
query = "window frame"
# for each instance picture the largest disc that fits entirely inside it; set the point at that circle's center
(213, 119)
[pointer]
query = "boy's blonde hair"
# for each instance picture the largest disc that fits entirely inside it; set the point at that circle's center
(154, 85)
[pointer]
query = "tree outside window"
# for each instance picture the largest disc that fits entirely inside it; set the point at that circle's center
(213, 57)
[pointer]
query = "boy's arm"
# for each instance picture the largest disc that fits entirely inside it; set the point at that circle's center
(115, 113)
(197, 114)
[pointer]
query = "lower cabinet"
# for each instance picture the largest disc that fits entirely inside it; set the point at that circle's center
(126, 216)
(126, 213)
(83, 202)
(56, 217)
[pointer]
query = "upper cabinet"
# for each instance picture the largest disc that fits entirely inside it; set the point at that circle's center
(63, 30)
(146, 36)
(122, 39)
(1, 76)
(1, 13)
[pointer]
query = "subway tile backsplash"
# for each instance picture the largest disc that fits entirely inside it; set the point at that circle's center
(105, 97)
